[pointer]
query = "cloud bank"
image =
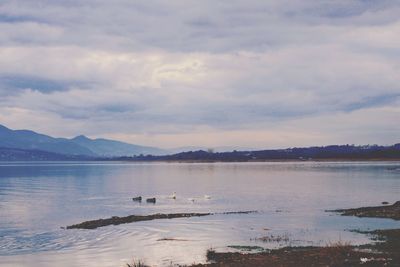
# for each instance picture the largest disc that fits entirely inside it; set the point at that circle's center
(210, 73)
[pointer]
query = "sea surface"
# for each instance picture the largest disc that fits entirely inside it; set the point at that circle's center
(38, 199)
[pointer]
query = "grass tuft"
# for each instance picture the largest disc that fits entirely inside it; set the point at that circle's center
(137, 263)
(211, 254)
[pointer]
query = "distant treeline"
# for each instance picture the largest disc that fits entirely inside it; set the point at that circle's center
(345, 152)
(15, 154)
(340, 152)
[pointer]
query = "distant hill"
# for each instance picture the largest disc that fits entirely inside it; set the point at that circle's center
(29, 140)
(78, 146)
(111, 148)
(340, 152)
(15, 154)
(214, 149)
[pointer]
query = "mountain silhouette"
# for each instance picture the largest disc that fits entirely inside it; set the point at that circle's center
(80, 145)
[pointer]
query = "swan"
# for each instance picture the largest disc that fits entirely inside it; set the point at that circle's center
(207, 197)
(173, 196)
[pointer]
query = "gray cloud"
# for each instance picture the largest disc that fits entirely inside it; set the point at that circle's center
(196, 26)
(4, 18)
(15, 83)
(380, 100)
(135, 69)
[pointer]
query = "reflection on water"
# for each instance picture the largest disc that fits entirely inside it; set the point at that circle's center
(36, 199)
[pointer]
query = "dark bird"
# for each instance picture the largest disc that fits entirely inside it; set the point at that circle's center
(138, 199)
(151, 200)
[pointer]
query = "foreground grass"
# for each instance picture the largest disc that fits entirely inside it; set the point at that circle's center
(386, 253)
(135, 263)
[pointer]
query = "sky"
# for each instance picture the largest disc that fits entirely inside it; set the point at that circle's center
(254, 74)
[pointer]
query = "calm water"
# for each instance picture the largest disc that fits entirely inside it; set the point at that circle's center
(36, 200)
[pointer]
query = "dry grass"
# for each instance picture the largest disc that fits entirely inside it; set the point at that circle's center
(274, 238)
(339, 244)
(137, 263)
(211, 254)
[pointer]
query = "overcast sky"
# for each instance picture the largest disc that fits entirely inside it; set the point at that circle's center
(260, 74)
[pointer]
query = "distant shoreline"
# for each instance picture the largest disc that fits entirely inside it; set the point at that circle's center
(324, 153)
(328, 153)
(257, 161)
(208, 161)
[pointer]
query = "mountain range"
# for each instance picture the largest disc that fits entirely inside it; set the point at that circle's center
(27, 140)
(17, 145)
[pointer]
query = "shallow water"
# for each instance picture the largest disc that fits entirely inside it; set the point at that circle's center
(37, 199)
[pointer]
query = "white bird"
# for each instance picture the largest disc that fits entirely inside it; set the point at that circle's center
(191, 199)
(364, 260)
(173, 196)
(207, 197)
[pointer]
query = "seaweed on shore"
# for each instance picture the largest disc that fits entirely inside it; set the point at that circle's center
(386, 211)
(239, 212)
(115, 220)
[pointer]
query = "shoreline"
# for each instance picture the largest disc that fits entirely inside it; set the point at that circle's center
(383, 251)
(260, 160)
(394, 160)
(257, 161)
